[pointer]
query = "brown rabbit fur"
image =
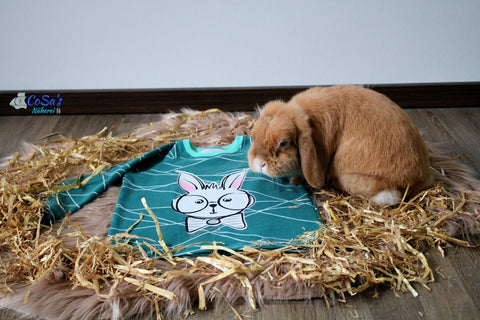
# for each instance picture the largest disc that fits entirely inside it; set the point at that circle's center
(351, 137)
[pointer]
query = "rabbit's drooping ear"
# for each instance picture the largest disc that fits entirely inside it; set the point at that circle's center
(234, 180)
(309, 161)
(190, 182)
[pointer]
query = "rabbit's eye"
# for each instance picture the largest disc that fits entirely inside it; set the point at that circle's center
(282, 144)
(227, 199)
(199, 201)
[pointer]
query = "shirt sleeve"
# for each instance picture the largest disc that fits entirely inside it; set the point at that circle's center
(78, 193)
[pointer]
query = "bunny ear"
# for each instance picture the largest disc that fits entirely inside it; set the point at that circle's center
(310, 163)
(190, 182)
(234, 180)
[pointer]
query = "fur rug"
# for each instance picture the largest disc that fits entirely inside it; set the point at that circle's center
(446, 213)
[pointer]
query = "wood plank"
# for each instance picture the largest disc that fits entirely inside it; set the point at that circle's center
(464, 143)
(454, 132)
(449, 297)
(466, 262)
(17, 129)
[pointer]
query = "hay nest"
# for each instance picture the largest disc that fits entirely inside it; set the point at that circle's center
(362, 245)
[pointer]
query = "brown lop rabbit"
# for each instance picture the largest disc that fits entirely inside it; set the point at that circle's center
(353, 138)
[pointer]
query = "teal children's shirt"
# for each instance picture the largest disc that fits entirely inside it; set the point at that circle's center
(200, 196)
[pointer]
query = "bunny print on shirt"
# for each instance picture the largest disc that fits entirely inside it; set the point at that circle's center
(211, 204)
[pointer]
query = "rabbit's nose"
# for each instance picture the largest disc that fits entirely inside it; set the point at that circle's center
(213, 205)
(259, 165)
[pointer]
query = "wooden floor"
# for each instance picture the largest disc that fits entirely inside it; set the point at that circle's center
(454, 295)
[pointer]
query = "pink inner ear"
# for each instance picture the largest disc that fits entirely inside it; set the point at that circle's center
(187, 186)
(237, 183)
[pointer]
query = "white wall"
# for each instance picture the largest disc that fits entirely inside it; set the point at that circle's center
(94, 44)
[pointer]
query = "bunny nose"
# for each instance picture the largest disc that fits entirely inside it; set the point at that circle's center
(259, 165)
(212, 205)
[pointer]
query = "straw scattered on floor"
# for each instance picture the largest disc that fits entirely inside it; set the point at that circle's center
(361, 245)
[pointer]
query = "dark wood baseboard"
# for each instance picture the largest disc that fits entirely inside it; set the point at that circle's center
(435, 95)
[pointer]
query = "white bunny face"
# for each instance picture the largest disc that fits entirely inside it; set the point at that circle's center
(209, 205)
